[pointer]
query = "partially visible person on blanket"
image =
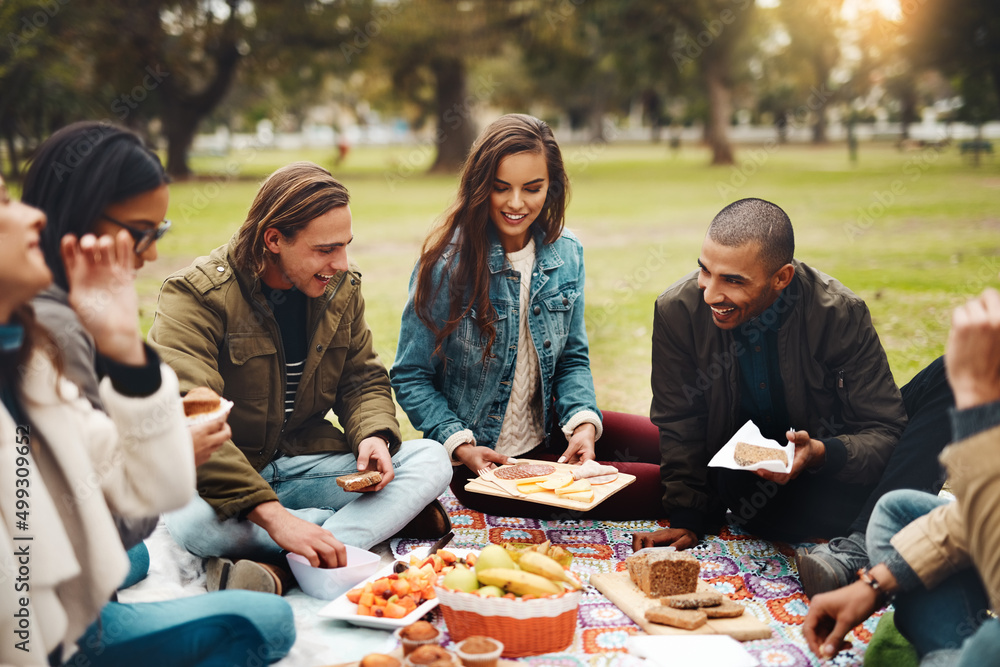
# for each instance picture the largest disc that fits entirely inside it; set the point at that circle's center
(118, 185)
(754, 334)
(493, 359)
(939, 560)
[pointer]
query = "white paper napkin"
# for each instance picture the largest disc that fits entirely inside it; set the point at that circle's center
(749, 433)
(692, 651)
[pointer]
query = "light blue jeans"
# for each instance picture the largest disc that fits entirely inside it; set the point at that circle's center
(949, 624)
(218, 629)
(307, 487)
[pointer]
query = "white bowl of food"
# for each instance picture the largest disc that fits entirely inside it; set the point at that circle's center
(327, 583)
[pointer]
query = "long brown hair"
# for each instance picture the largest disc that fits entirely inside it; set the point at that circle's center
(466, 224)
(288, 201)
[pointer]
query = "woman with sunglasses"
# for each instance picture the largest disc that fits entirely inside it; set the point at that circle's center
(98, 179)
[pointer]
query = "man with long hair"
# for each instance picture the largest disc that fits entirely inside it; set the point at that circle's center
(275, 322)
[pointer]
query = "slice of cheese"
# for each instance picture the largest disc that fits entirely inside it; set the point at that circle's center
(530, 480)
(530, 488)
(557, 481)
(579, 486)
(583, 496)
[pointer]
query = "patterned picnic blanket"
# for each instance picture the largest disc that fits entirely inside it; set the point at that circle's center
(758, 573)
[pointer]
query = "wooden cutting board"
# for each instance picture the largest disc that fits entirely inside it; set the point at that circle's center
(618, 587)
(398, 653)
(508, 488)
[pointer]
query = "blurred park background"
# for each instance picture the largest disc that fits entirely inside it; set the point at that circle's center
(872, 122)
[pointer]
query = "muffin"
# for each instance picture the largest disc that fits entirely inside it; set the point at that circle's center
(417, 634)
(431, 655)
(479, 651)
(379, 660)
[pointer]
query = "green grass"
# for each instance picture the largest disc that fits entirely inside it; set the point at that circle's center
(641, 213)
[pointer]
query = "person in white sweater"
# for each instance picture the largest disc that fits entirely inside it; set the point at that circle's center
(493, 359)
(67, 468)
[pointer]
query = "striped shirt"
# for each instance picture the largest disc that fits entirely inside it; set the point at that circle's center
(291, 312)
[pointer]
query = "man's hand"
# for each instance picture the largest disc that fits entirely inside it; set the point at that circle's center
(679, 538)
(373, 454)
(972, 354)
(832, 615)
(809, 453)
(208, 437)
(581, 444)
(101, 277)
(312, 542)
(478, 458)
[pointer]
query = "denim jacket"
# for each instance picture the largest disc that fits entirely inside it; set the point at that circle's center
(442, 399)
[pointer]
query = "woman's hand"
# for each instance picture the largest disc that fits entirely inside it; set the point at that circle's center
(208, 437)
(581, 445)
(101, 277)
(972, 355)
(478, 458)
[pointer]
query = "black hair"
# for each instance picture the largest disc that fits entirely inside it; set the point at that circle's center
(81, 170)
(759, 222)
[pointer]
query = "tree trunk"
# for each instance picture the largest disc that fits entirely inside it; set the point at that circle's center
(819, 127)
(12, 156)
(183, 107)
(179, 126)
(720, 108)
(455, 126)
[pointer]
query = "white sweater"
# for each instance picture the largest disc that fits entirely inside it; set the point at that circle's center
(81, 466)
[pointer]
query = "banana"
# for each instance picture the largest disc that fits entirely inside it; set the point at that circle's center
(519, 582)
(536, 563)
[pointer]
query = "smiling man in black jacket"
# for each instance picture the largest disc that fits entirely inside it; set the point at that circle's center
(754, 334)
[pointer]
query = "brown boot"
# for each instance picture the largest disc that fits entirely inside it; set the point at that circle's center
(247, 575)
(431, 523)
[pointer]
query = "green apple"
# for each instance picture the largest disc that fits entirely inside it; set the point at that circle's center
(461, 578)
(494, 556)
(490, 592)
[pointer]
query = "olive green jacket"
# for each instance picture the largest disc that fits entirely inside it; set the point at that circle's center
(214, 328)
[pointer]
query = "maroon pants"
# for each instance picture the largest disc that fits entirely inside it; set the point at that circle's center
(630, 443)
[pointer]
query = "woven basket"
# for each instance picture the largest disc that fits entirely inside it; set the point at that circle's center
(526, 627)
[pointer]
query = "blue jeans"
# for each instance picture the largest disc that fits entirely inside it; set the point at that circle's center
(307, 487)
(218, 629)
(947, 615)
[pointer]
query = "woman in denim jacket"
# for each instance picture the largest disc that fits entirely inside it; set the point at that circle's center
(501, 276)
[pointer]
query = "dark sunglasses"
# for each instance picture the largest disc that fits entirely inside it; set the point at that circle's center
(143, 237)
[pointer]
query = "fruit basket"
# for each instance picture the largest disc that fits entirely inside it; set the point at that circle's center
(525, 627)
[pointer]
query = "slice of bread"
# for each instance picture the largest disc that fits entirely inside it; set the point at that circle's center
(747, 454)
(728, 609)
(199, 401)
(359, 480)
(692, 600)
(685, 619)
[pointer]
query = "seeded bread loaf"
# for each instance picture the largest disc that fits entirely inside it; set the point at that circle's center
(660, 574)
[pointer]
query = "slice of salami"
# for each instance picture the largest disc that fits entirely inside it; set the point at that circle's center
(524, 471)
(603, 479)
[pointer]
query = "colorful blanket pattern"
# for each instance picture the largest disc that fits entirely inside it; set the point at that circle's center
(759, 574)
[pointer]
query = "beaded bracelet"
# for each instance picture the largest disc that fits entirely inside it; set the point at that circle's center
(865, 576)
